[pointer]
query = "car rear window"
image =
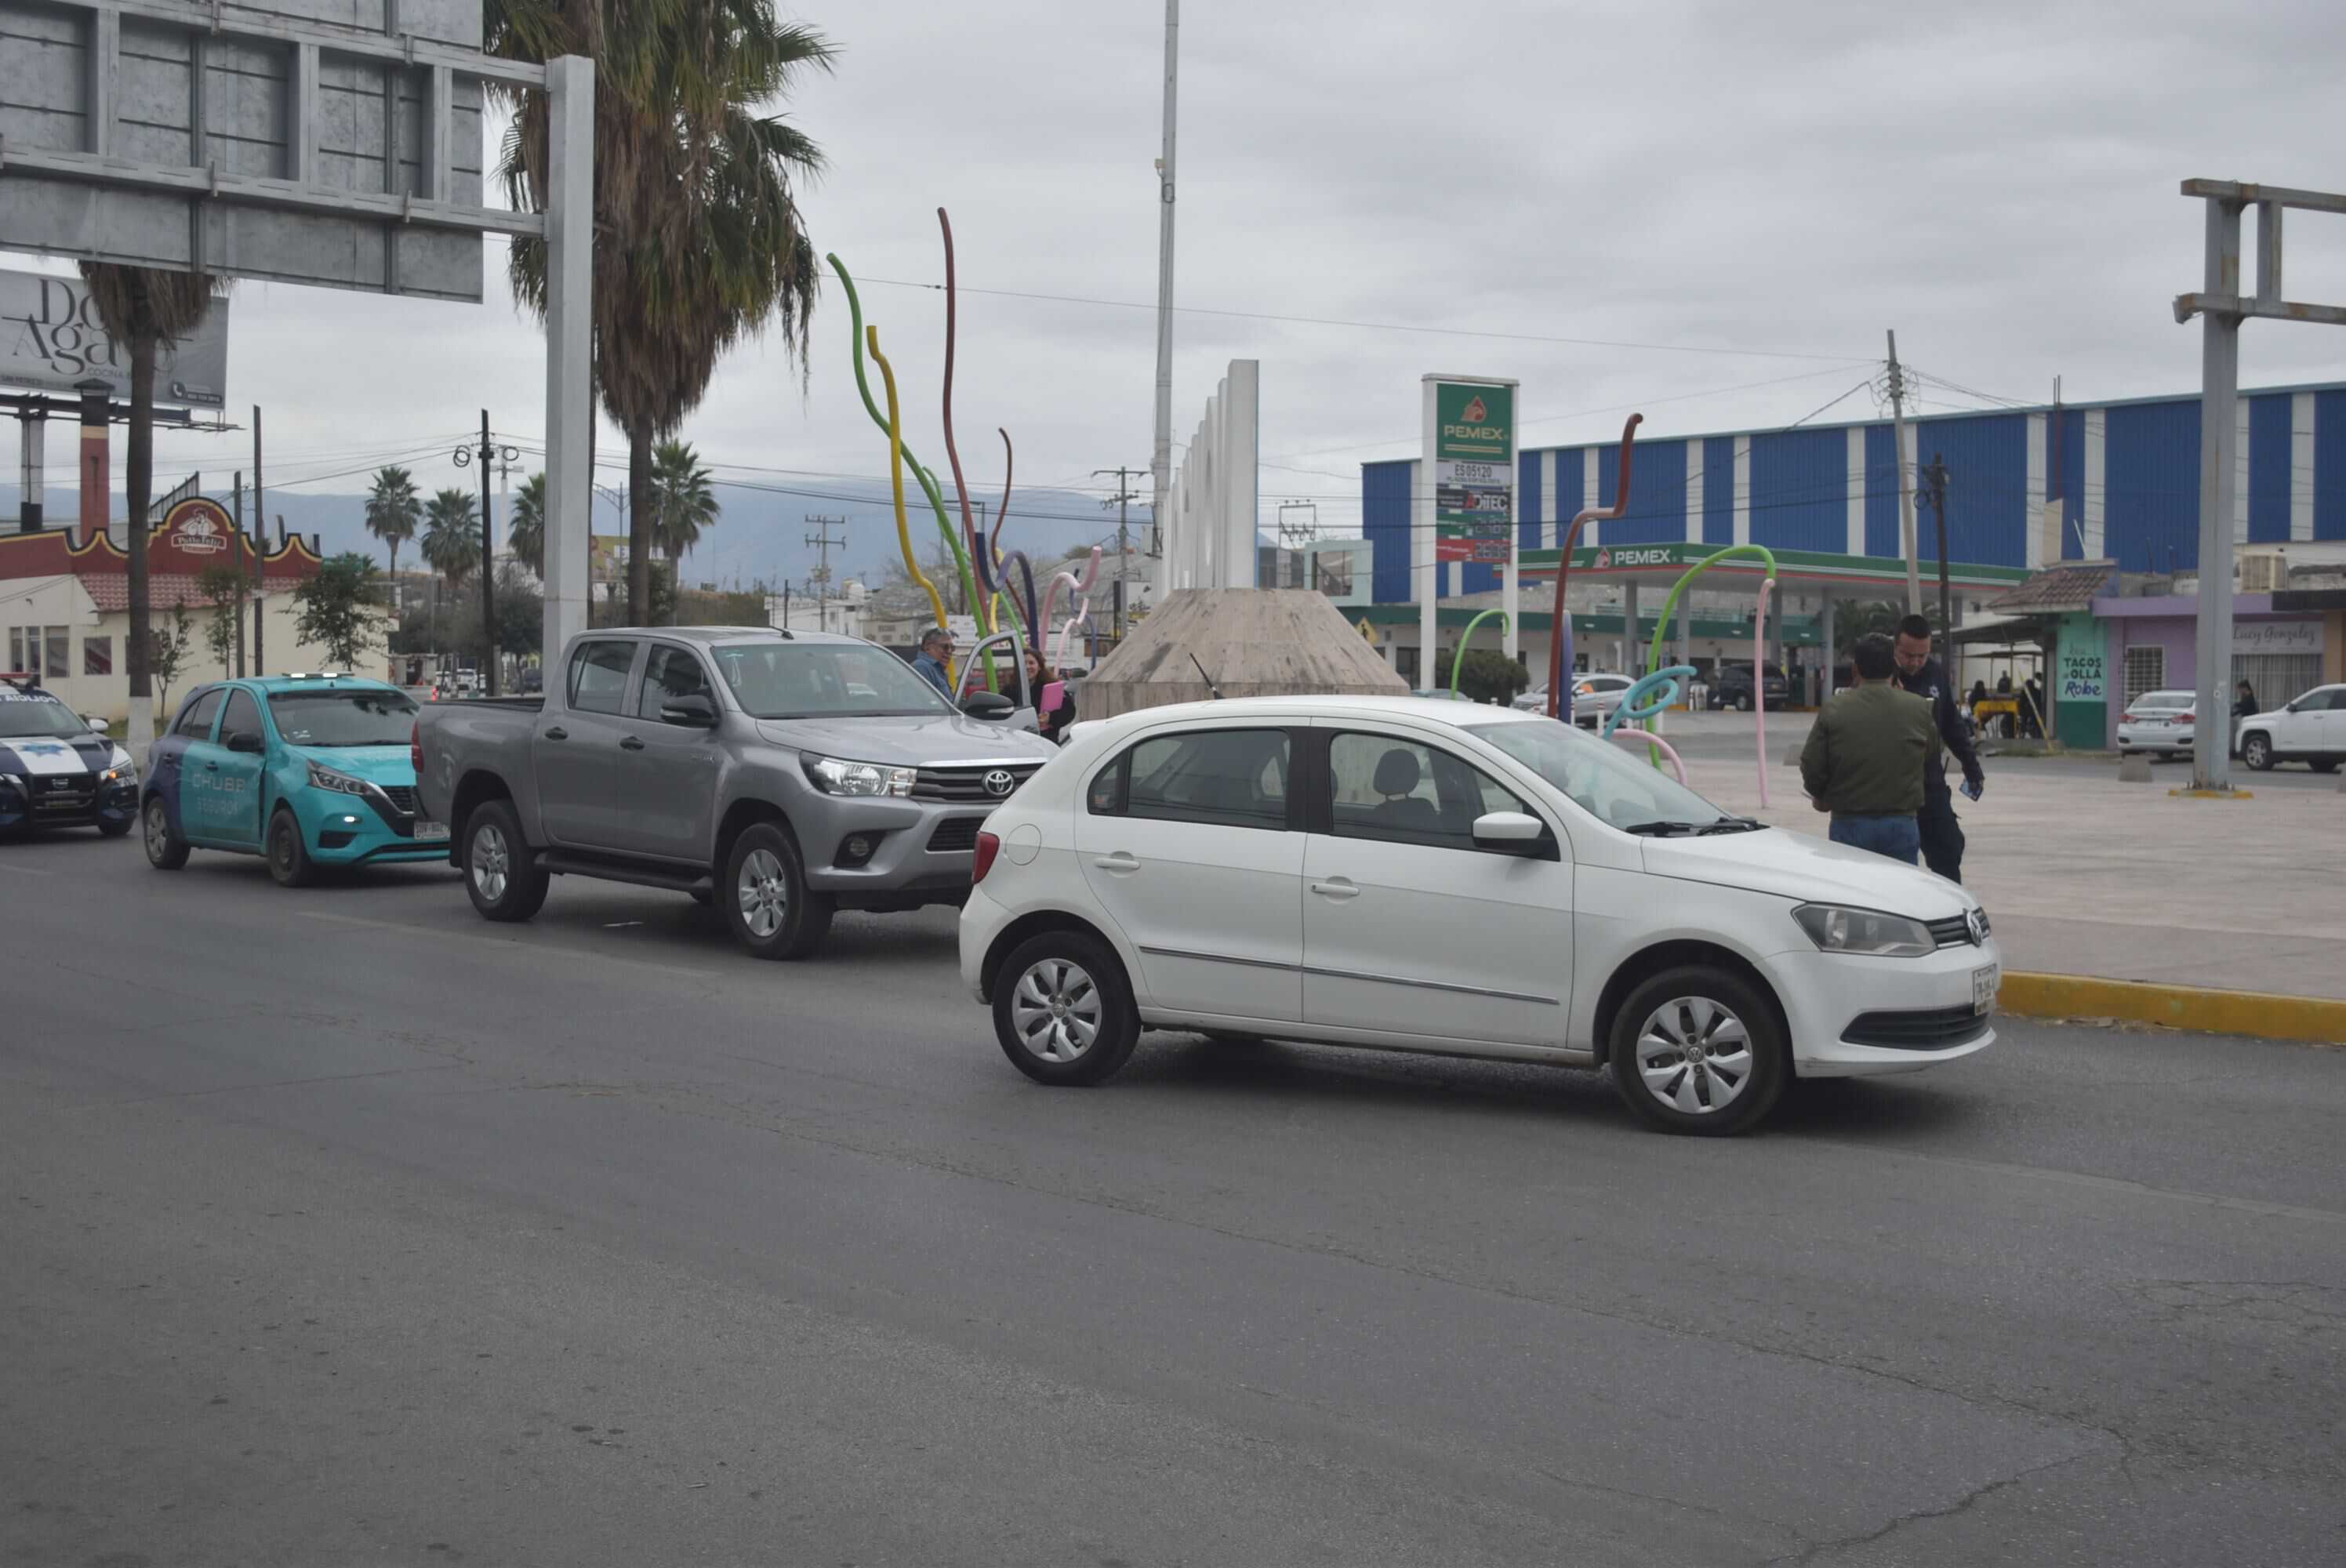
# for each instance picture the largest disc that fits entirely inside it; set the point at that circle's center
(2168, 699)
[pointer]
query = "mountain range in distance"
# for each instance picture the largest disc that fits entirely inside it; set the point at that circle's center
(760, 536)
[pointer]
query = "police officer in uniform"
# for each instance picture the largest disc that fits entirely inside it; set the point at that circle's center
(1918, 672)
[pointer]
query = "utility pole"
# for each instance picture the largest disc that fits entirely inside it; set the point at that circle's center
(822, 542)
(239, 563)
(1905, 489)
(1122, 501)
(1160, 464)
(1936, 478)
(260, 550)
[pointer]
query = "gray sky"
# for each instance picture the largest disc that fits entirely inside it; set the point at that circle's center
(1996, 180)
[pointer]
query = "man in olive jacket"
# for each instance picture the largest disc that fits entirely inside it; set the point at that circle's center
(1866, 755)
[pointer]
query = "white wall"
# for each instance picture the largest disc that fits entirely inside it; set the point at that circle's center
(1207, 532)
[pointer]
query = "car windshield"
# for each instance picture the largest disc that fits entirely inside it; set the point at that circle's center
(343, 718)
(24, 718)
(825, 680)
(1617, 787)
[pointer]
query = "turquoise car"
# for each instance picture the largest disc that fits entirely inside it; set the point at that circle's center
(307, 770)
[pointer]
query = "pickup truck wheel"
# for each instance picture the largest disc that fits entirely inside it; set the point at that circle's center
(2256, 751)
(288, 857)
(1697, 1050)
(166, 850)
(502, 880)
(1062, 1010)
(765, 896)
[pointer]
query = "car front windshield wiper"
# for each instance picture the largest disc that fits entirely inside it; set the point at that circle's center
(1733, 825)
(1659, 829)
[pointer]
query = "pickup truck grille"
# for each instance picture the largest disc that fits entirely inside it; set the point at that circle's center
(968, 785)
(74, 793)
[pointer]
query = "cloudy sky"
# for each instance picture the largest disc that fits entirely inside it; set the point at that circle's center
(1707, 211)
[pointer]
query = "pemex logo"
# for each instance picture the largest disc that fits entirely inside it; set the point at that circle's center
(1604, 559)
(1474, 413)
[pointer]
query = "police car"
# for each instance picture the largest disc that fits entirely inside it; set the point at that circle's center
(308, 770)
(56, 770)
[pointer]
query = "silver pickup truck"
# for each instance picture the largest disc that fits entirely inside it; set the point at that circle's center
(781, 776)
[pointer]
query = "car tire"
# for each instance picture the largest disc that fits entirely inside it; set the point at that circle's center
(765, 896)
(1743, 705)
(166, 850)
(1742, 1062)
(288, 856)
(2256, 751)
(501, 876)
(1063, 1010)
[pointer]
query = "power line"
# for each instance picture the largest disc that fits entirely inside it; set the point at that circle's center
(1379, 326)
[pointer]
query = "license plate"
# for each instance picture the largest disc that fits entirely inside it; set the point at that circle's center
(1983, 984)
(432, 832)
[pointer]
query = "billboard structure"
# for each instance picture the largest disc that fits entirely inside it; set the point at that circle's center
(51, 340)
(336, 143)
(1206, 537)
(1464, 504)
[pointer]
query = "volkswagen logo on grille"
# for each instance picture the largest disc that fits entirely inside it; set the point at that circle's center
(1977, 920)
(999, 783)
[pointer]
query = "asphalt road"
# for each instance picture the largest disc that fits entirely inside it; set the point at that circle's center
(342, 1228)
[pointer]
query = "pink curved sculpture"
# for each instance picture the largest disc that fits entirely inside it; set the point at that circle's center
(1759, 685)
(1658, 744)
(1075, 623)
(1091, 575)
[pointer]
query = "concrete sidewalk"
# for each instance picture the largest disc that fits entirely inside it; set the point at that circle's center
(2084, 875)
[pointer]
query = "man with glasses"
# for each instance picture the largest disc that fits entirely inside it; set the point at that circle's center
(933, 659)
(1918, 672)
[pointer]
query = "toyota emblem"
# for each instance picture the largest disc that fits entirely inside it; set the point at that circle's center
(999, 783)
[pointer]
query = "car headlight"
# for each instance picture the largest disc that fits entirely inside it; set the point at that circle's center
(835, 776)
(321, 777)
(1866, 931)
(119, 776)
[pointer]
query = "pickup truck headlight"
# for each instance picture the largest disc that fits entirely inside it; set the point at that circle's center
(321, 777)
(1869, 932)
(833, 776)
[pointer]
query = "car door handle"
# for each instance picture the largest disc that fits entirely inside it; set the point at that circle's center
(558, 733)
(630, 743)
(1118, 861)
(1337, 888)
(211, 767)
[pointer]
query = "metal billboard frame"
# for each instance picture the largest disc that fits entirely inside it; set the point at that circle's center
(100, 167)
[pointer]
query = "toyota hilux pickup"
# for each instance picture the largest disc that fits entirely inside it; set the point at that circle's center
(780, 776)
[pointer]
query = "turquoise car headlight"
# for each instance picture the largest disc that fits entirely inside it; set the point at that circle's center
(323, 778)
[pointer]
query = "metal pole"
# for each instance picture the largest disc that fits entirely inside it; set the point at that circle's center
(260, 550)
(1160, 465)
(569, 280)
(488, 566)
(33, 431)
(2219, 383)
(1939, 510)
(239, 560)
(1905, 489)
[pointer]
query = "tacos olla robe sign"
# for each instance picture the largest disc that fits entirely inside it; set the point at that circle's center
(1474, 471)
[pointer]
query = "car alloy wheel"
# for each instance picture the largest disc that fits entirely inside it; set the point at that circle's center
(2257, 751)
(1694, 1056)
(1055, 1010)
(490, 862)
(764, 893)
(159, 831)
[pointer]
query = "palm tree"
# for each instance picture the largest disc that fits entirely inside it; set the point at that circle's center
(698, 236)
(145, 308)
(392, 509)
(452, 542)
(683, 505)
(525, 525)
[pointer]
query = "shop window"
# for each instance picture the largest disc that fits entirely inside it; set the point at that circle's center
(56, 652)
(97, 656)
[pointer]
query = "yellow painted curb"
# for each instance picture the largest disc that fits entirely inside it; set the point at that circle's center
(2252, 1012)
(2214, 794)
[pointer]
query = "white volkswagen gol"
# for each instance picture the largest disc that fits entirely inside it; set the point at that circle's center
(1427, 876)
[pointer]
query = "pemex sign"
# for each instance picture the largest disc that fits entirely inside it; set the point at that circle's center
(1474, 465)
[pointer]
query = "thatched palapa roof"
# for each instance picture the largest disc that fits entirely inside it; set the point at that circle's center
(1254, 642)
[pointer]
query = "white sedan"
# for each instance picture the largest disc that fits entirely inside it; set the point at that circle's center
(1462, 881)
(1593, 699)
(2159, 721)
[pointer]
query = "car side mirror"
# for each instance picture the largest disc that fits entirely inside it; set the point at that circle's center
(991, 706)
(691, 708)
(246, 742)
(98, 725)
(1510, 833)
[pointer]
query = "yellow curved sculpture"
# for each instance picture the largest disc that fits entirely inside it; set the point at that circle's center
(896, 478)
